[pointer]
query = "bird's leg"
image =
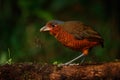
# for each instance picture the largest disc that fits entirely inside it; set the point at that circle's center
(85, 52)
(83, 60)
(69, 62)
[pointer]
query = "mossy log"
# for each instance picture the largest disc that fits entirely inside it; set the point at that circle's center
(33, 71)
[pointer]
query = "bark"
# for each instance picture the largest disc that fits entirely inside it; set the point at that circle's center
(25, 71)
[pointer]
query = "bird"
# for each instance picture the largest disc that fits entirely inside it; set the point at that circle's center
(75, 35)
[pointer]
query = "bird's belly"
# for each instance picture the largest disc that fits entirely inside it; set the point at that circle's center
(80, 45)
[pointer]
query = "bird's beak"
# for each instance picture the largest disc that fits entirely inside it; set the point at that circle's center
(45, 28)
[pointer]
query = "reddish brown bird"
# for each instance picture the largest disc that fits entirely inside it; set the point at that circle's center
(75, 35)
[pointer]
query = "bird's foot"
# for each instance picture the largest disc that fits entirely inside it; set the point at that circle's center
(60, 65)
(69, 62)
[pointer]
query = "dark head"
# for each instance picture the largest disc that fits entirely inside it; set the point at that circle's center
(50, 25)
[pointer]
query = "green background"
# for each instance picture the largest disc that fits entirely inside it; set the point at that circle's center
(20, 21)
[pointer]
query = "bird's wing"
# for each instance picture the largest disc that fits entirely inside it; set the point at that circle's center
(81, 31)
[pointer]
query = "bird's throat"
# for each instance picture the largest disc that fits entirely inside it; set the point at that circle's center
(55, 31)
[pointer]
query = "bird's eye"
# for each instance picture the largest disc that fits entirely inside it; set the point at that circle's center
(53, 25)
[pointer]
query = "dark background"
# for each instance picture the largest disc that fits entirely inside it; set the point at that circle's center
(20, 21)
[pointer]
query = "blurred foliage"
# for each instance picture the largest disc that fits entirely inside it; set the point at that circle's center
(20, 21)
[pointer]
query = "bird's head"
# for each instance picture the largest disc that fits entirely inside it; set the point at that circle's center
(51, 25)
